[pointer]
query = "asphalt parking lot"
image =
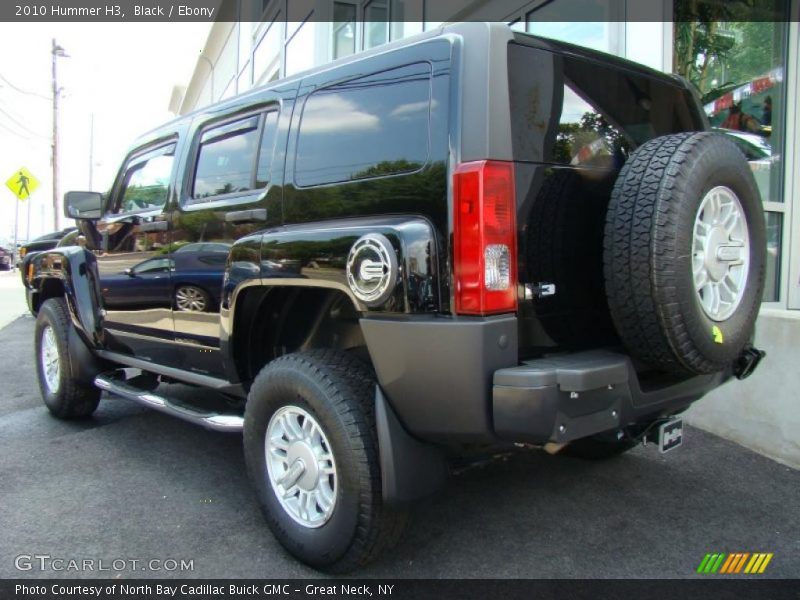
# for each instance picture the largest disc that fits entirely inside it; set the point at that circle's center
(133, 484)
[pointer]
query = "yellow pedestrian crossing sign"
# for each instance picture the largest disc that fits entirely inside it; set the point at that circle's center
(22, 183)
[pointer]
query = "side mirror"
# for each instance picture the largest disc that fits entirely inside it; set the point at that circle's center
(83, 205)
(129, 272)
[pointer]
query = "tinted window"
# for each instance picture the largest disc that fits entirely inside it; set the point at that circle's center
(267, 148)
(367, 127)
(146, 180)
(226, 161)
(572, 110)
(585, 137)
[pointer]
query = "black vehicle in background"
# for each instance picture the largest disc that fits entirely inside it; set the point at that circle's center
(44, 242)
(57, 239)
(467, 241)
(6, 254)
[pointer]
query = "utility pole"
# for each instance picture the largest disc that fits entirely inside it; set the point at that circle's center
(56, 52)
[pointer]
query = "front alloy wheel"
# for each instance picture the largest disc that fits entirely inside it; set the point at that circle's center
(50, 359)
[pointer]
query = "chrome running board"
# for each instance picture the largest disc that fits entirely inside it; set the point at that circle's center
(116, 382)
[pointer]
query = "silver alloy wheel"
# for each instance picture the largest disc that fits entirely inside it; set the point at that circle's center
(50, 359)
(720, 253)
(191, 299)
(301, 466)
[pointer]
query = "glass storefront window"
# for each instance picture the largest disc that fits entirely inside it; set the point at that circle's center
(738, 65)
(586, 22)
(300, 49)
(344, 29)
(376, 23)
(774, 234)
(267, 51)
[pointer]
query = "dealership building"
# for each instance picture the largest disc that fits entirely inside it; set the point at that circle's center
(745, 65)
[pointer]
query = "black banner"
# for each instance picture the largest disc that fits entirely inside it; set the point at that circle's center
(414, 10)
(398, 589)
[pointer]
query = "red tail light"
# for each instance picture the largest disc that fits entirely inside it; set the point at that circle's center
(485, 238)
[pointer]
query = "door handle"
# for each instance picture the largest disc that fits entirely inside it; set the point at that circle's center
(246, 216)
(153, 226)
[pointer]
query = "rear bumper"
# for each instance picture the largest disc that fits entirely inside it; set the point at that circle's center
(458, 380)
(576, 395)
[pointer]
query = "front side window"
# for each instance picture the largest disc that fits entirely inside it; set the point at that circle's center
(368, 127)
(226, 161)
(146, 182)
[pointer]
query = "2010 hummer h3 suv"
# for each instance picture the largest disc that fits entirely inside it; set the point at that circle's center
(466, 240)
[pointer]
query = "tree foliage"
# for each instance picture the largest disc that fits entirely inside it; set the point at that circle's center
(721, 44)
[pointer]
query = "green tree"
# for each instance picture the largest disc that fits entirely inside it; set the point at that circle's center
(721, 44)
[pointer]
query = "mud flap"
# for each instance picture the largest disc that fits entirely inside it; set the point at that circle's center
(410, 469)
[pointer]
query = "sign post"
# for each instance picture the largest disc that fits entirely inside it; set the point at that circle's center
(22, 184)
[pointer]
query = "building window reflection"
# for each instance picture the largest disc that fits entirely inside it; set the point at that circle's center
(739, 68)
(344, 29)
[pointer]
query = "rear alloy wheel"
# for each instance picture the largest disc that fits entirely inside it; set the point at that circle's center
(189, 298)
(301, 466)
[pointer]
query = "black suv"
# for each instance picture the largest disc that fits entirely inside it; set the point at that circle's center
(468, 240)
(44, 242)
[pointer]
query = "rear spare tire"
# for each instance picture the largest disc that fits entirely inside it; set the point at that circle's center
(684, 253)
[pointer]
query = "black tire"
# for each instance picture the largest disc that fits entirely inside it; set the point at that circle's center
(648, 253)
(72, 398)
(598, 447)
(338, 391)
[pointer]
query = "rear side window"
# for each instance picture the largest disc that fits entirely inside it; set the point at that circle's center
(234, 157)
(582, 112)
(368, 127)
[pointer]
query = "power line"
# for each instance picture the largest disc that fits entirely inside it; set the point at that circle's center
(21, 91)
(12, 132)
(23, 137)
(23, 127)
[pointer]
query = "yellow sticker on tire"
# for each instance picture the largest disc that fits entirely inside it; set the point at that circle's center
(717, 333)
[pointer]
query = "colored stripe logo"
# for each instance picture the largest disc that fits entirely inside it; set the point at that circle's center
(734, 563)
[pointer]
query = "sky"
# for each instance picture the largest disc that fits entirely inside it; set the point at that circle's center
(122, 73)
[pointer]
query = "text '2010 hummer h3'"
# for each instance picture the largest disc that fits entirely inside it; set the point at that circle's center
(467, 240)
